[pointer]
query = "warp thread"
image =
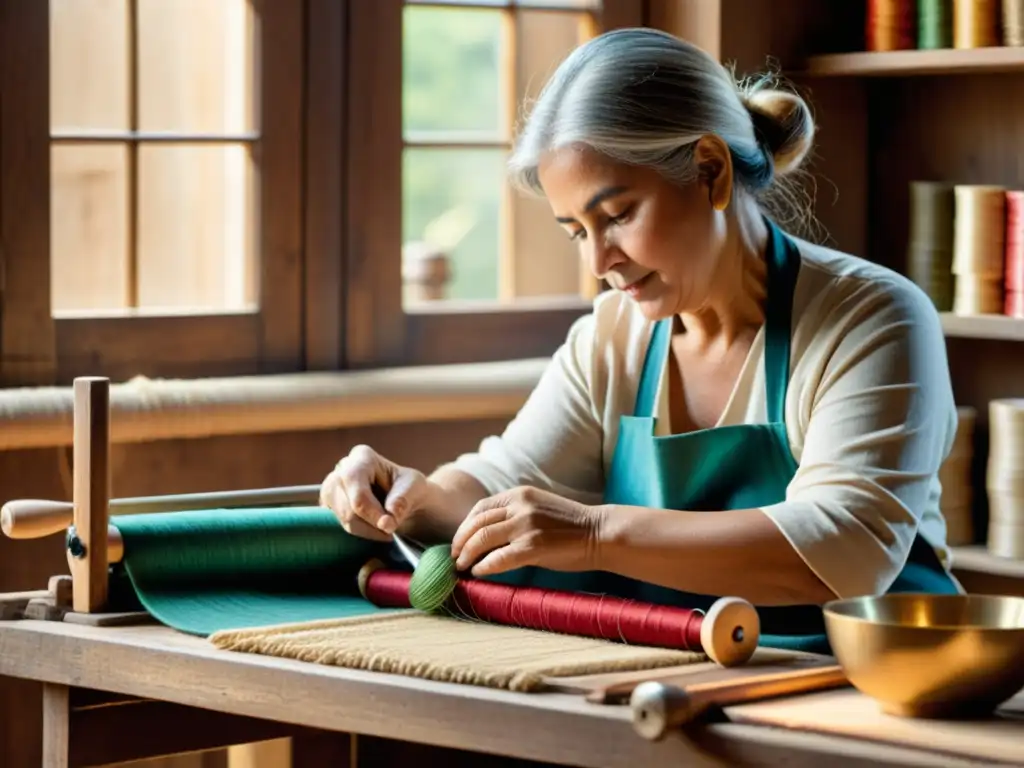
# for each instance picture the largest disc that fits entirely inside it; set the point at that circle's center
(606, 617)
(1005, 478)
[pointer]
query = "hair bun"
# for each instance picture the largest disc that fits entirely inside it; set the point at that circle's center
(783, 123)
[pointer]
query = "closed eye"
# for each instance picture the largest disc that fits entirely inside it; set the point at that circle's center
(580, 234)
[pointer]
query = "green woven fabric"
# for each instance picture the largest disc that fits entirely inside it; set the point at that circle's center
(207, 570)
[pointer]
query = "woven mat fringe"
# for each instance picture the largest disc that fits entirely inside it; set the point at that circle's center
(448, 649)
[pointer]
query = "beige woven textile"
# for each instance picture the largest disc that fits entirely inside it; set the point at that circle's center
(448, 649)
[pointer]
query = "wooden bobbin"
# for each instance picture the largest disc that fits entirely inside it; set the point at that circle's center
(363, 578)
(730, 631)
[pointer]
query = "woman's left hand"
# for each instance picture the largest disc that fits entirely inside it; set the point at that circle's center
(527, 526)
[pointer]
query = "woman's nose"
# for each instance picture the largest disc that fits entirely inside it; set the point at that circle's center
(602, 256)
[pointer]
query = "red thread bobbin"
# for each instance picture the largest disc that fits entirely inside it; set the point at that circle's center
(728, 633)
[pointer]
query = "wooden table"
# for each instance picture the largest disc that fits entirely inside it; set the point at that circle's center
(115, 693)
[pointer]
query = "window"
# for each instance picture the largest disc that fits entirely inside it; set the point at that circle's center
(160, 156)
(474, 271)
(223, 187)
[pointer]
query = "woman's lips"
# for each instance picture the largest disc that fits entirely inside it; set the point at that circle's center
(635, 288)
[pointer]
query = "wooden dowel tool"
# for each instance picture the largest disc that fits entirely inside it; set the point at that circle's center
(659, 707)
(36, 518)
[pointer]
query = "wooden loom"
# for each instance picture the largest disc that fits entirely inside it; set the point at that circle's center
(659, 698)
(93, 544)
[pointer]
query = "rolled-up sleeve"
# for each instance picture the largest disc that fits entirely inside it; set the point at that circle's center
(877, 422)
(555, 440)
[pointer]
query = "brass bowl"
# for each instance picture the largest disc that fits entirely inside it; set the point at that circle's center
(938, 656)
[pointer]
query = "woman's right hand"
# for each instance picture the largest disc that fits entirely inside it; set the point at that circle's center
(371, 496)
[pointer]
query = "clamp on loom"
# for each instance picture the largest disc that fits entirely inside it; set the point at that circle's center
(93, 544)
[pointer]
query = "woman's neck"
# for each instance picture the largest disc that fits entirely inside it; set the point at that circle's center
(735, 302)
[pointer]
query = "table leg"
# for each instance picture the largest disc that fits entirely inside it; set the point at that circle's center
(56, 726)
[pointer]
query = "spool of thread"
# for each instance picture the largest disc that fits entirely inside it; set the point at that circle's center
(434, 579)
(930, 241)
(955, 476)
(975, 23)
(934, 24)
(1005, 478)
(728, 633)
(1013, 278)
(978, 249)
(1013, 23)
(890, 25)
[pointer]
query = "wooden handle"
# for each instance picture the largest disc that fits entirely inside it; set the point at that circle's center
(660, 707)
(35, 518)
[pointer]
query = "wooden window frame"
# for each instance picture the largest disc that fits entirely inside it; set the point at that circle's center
(379, 330)
(36, 348)
(331, 284)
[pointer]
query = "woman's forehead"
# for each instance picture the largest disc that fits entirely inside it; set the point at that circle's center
(578, 178)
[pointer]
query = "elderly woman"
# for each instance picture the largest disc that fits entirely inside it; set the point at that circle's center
(743, 413)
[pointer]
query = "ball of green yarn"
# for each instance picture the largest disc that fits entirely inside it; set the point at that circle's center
(434, 579)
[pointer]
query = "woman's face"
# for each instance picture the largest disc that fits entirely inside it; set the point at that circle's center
(655, 241)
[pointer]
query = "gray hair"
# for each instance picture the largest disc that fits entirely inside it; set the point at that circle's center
(644, 97)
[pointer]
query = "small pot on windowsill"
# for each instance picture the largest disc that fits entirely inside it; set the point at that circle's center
(426, 273)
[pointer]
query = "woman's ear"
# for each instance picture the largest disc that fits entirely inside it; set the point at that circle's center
(714, 167)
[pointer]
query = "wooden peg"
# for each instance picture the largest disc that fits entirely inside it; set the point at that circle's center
(91, 493)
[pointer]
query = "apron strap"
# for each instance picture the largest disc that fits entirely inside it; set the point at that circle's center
(654, 361)
(783, 268)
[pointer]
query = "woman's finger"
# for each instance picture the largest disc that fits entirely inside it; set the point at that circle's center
(477, 517)
(483, 533)
(356, 479)
(405, 494)
(359, 527)
(332, 496)
(516, 554)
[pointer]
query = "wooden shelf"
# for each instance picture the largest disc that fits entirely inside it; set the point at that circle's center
(983, 327)
(901, 63)
(977, 559)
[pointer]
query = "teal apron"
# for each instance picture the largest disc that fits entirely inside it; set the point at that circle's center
(732, 467)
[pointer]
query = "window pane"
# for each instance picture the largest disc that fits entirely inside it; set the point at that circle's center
(452, 79)
(587, 4)
(196, 227)
(89, 227)
(591, 5)
(452, 202)
(546, 261)
(88, 65)
(195, 66)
